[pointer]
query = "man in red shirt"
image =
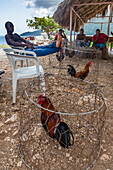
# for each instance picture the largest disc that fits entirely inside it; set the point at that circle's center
(99, 41)
(61, 32)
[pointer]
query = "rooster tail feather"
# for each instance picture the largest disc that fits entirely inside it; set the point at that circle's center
(71, 70)
(62, 134)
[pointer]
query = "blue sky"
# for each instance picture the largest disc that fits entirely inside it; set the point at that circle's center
(17, 11)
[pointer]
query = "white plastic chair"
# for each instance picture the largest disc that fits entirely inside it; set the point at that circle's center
(20, 59)
(24, 72)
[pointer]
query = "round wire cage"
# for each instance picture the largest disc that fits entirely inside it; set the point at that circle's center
(72, 98)
(78, 57)
(39, 151)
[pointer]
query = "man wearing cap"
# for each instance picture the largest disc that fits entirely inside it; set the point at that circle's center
(61, 32)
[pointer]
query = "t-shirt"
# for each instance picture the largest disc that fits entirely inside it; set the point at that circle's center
(101, 38)
(81, 37)
(57, 36)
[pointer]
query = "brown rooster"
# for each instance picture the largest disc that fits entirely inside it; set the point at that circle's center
(82, 74)
(52, 124)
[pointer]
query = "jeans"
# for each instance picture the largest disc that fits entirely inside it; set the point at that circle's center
(45, 50)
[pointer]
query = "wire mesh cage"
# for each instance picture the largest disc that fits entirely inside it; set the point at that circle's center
(78, 57)
(77, 103)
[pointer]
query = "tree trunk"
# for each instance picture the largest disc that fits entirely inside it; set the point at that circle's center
(48, 35)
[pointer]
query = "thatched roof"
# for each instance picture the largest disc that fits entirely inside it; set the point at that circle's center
(86, 12)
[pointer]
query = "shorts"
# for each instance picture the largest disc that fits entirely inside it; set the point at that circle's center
(99, 45)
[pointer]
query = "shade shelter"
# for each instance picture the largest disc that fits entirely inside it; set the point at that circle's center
(71, 14)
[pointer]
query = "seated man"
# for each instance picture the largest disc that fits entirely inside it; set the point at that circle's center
(61, 32)
(81, 39)
(99, 41)
(17, 41)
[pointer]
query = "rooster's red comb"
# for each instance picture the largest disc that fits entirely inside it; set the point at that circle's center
(40, 96)
(89, 63)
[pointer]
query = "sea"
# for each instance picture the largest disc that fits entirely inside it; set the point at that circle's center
(2, 40)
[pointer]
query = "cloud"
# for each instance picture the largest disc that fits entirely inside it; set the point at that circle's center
(30, 3)
(43, 7)
(44, 11)
(42, 3)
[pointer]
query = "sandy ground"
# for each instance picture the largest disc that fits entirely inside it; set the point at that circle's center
(2, 55)
(9, 133)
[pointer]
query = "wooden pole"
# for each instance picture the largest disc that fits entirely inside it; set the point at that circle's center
(101, 26)
(71, 17)
(99, 17)
(111, 7)
(75, 26)
(98, 3)
(78, 15)
(79, 25)
(82, 26)
(98, 22)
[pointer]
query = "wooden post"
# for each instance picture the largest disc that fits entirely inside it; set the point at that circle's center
(71, 17)
(83, 26)
(75, 26)
(111, 6)
(101, 26)
(98, 3)
(79, 24)
(78, 15)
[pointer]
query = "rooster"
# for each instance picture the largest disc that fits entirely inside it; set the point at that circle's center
(66, 52)
(82, 74)
(70, 54)
(60, 58)
(52, 123)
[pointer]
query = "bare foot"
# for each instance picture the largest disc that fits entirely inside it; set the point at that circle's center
(59, 42)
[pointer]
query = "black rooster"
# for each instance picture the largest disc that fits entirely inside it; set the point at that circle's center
(60, 58)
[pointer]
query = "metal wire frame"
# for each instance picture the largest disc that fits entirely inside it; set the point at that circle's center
(72, 46)
(21, 154)
(78, 61)
(79, 115)
(84, 113)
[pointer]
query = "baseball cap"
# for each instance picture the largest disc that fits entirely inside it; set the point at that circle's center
(60, 29)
